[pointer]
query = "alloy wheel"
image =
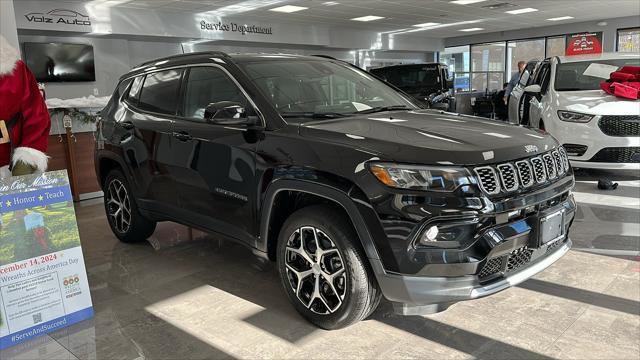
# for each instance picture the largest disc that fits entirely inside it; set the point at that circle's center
(315, 270)
(119, 206)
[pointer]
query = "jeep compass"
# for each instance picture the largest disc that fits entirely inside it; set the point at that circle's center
(353, 189)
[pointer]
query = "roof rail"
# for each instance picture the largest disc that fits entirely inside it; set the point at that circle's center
(167, 58)
(324, 56)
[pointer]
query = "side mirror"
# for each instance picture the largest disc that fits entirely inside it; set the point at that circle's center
(227, 113)
(448, 84)
(533, 89)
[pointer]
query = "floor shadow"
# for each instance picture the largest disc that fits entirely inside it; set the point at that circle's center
(583, 296)
(456, 338)
(280, 319)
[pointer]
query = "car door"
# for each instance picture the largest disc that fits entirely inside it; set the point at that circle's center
(146, 123)
(216, 180)
(515, 98)
(542, 78)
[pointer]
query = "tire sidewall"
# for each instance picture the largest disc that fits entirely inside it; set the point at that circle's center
(343, 239)
(139, 228)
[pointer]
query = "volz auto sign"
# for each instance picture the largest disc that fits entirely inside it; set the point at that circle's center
(59, 16)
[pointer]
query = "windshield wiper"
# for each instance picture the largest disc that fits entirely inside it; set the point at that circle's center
(383, 108)
(323, 115)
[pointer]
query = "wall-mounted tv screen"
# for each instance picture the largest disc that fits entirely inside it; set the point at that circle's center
(56, 62)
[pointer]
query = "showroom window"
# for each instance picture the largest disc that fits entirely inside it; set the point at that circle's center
(457, 59)
(629, 40)
(555, 46)
(206, 85)
(160, 92)
(524, 50)
(487, 66)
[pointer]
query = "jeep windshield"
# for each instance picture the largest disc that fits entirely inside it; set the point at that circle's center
(587, 75)
(321, 89)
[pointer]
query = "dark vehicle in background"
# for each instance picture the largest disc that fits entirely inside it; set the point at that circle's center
(346, 183)
(429, 83)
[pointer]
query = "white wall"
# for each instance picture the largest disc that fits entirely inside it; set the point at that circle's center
(8, 22)
(609, 32)
(113, 58)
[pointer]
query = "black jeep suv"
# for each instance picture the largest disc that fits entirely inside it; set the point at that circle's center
(353, 189)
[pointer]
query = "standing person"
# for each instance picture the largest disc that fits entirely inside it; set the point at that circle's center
(514, 81)
(24, 118)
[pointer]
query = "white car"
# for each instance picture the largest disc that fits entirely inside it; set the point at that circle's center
(598, 130)
(518, 103)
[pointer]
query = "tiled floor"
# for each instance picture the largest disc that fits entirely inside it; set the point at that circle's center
(210, 299)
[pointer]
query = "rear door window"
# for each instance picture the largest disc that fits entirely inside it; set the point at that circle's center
(134, 90)
(160, 92)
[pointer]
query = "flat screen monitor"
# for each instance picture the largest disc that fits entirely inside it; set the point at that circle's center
(58, 62)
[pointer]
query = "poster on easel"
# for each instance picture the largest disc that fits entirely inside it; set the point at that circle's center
(583, 43)
(43, 280)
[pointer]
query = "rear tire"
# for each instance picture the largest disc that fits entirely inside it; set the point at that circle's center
(123, 215)
(323, 268)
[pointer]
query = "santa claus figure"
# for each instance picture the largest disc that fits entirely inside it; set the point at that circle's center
(24, 119)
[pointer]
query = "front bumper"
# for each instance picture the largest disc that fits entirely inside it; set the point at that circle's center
(604, 166)
(415, 295)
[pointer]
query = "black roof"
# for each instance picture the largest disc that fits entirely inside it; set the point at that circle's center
(209, 56)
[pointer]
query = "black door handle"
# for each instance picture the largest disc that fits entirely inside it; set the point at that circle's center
(127, 125)
(182, 136)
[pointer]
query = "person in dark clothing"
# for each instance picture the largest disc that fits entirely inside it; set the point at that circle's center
(500, 107)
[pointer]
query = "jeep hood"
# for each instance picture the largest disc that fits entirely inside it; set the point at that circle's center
(596, 102)
(431, 137)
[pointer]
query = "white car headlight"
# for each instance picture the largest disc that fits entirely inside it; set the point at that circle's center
(571, 116)
(417, 177)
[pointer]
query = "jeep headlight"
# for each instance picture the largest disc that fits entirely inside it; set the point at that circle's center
(418, 177)
(571, 116)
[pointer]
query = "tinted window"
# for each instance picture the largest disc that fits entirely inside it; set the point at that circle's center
(207, 85)
(414, 76)
(587, 75)
(160, 92)
(299, 87)
(134, 91)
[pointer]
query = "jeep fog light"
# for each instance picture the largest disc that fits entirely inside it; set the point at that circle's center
(447, 235)
(430, 235)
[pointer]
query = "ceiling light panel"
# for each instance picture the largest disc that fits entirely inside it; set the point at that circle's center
(466, 2)
(521, 11)
(561, 18)
(368, 18)
(289, 8)
(472, 29)
(428, 24)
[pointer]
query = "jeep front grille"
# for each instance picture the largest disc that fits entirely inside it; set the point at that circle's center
(509, 177)
(525, 172)
(549, 166)
(538, 169)
(488, 180)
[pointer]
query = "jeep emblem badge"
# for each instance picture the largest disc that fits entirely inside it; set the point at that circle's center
(530, 148)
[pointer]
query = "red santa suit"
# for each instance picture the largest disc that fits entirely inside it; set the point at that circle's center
(20, 97)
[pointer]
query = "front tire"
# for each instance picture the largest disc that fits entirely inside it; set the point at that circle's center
(323, 269)
(123, 215)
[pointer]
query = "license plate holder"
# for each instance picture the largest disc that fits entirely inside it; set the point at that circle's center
(552, 227)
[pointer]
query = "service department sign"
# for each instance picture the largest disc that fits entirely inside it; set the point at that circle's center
(59, 16)
(236, 28)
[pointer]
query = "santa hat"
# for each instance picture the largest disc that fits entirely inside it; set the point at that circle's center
(9, 56)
